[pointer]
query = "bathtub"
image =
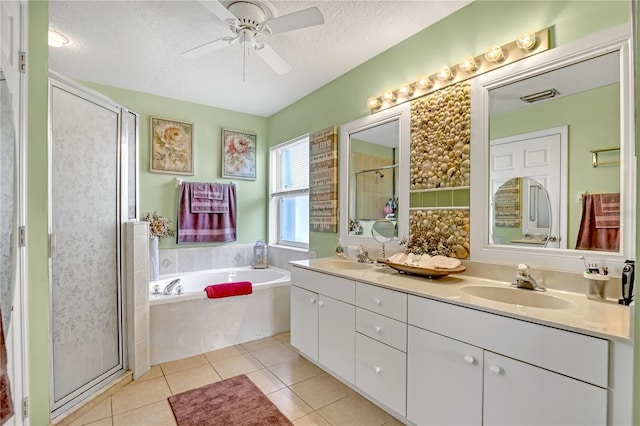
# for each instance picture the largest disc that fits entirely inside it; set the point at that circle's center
(190, 323)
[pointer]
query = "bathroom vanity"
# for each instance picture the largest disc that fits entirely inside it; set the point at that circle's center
(443, 352)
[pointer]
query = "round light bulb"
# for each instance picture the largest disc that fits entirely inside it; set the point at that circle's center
(445, 74)
(373, 102)
(424, 82)
(57, 39)
(526, 40)
(494, 54)
(468, 64)
(389, 96)
(406, 89)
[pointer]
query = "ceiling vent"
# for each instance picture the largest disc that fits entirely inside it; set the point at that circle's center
(540, 96)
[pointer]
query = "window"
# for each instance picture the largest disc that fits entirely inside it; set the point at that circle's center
(289, 188)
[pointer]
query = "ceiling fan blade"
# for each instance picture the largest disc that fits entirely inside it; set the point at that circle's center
(207, 48)
(215, 7)
(275, 61)
(295, 20)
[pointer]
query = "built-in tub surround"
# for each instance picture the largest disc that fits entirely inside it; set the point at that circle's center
(173, 261)
(190, 324)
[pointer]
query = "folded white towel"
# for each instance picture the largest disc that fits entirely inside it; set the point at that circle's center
(442, 262)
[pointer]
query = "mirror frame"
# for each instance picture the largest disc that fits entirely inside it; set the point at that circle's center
(614, 39)
(401, 113)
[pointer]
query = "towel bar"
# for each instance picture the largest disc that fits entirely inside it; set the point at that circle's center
(179, 182)
(594, 157)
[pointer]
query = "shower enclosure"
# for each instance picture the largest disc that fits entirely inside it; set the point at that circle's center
(93, 160)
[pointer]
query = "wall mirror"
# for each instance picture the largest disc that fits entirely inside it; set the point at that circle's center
(373, 164)
(521, 214)
(582, 92)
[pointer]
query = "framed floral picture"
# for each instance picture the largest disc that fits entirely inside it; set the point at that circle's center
(238, 154)
(171, 146)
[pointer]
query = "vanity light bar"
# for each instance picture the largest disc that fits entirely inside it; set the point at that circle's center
(527, 44)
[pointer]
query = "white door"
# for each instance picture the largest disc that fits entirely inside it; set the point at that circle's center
(541, 156)
(337, 337)
(12, 30)
(516, 393)
(304, 321)
(444, 380)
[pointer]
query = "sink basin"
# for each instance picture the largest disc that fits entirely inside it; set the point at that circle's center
(344, 264)
(518, 296)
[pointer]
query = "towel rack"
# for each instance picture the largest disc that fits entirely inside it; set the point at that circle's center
(179, 182)
(594, 156)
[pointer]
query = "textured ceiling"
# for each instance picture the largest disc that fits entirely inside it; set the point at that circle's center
(136, 45)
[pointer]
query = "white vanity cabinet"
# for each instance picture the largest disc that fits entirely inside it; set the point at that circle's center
(323, 320)
(444, 380)
(381, 345)
(304, 321)
(472, 367)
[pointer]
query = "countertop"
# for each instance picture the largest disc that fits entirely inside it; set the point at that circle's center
(606, 319)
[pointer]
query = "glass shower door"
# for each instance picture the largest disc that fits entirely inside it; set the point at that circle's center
(86, 313)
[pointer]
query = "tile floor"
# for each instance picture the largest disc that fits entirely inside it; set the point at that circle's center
(303, 392)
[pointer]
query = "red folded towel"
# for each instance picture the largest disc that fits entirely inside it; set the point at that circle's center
(217, 291)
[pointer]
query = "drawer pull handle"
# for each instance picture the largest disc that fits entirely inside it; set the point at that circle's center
(321, 303)
(495, 369)
(378, 370)
(377, 328)
(312, 300)
(377, 301)
(469, 359)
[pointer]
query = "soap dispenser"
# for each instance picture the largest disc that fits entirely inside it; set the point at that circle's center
(260, 260)
(339, 249)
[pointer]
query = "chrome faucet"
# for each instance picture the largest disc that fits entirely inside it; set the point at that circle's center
(169, 288)
(363, 255)
(525, 280)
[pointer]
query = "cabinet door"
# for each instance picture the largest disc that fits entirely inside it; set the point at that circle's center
(444, 380)
(381, 372)
(337, 334)
(519, 393)
(304, 321)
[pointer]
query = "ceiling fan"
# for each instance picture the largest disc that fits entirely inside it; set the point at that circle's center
(248, 20)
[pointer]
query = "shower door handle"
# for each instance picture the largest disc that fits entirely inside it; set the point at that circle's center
(52, 246)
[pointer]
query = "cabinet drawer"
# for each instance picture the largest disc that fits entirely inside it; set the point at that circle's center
(329, 285)
(381, 371)
(390, 303)
(575, 355)
(386, 330)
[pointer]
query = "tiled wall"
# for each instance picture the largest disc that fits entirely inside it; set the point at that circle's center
(137, 297)
(174, 261)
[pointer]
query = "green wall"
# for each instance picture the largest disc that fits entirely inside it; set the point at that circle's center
(593, 119)
(37, 207)
(468, 31)
(158, 190)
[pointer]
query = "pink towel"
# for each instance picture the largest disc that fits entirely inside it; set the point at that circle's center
(209, 198)
(600, 225)
(217, 291)
(206, 227)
